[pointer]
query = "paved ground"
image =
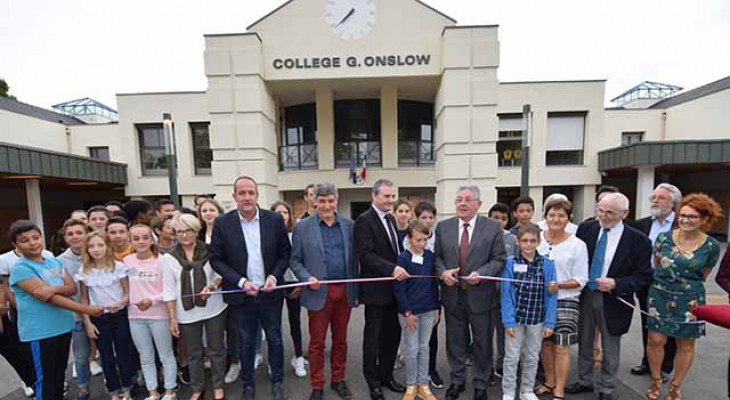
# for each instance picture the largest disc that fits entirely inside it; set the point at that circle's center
(707, 378)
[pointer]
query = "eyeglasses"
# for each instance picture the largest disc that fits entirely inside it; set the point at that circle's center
(609, 213)
(186, 232)
(690, 217)
(460, 200)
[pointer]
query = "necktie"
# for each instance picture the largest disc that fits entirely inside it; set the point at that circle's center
(392, 234)
(463, 252)
(599, 257)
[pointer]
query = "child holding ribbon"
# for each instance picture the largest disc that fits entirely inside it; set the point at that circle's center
(529, 307)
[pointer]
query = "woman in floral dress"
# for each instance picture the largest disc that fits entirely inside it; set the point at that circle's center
(683, 259)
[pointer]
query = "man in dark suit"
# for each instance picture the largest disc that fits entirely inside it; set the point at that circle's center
(323, 248)
(664, 200)
(469, 246)
(250, 249)
(377, 247)
(618, 258)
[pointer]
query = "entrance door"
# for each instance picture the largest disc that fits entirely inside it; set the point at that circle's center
(357, 208)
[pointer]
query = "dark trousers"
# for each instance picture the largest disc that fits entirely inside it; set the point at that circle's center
(670, 348)
(15, 352)
(249, 320)
(293, 312)
(433, 347)
(115, 346)
(50, 358)
(459, 322)
(335, 313)
(380, 345)
(232, 352)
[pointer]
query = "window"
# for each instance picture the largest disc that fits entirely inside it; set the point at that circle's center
(628, 138)
(152, 149)
(357, 132)
(415, 133)
(202, 154)
(565, 135)
(99, 153)
(509, 145)
(298, 148)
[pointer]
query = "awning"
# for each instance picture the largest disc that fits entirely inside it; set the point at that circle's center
(680, 152)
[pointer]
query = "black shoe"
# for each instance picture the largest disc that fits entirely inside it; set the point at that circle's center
(278, 391)
(578, 388)
(184, 375)
(605, 396)
(454, 390)
(480, 394)
(394, 386)
(377, 394)
(640, 370)
(249, 392)
(436, 381)
(317, 394)
(341, 389)
(492, 380)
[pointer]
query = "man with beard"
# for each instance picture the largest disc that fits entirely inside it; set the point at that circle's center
(664, 200)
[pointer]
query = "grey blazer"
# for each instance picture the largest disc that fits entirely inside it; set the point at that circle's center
(308, 259)
(486, 257)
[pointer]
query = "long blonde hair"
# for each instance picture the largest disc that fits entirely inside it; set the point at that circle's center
(106, 263)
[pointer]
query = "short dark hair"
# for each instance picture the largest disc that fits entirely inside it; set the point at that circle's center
(255, 184)
(114, 203)
(401, 202)
(498, 207)
(159, 222)
(186, 210)
(559, 204)
(135, 207)
(424, 205)
(117, 220)
(606, 189)
(74, 222)
(417, 226)
(528, 229)
(306, 189)
(200, 196)
(20, 227)
(523, 200)
(98, 209)
(162, 202)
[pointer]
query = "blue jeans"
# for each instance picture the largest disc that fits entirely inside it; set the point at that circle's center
(250, 321)
(147, 335)
(415, 346)
(81, 344)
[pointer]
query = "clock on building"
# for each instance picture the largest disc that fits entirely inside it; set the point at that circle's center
(350, 19)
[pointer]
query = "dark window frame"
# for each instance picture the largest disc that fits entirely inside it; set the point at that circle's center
(200, 153)
(567, 157)
(162, 162)
(509, 141)
(413, 149)
(302, 152)
(627, 134)
(367, 143)
(93, 153)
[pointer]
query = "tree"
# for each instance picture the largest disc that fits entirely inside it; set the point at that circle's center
(5, 89)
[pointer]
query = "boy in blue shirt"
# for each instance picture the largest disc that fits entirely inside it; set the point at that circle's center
(528, 312)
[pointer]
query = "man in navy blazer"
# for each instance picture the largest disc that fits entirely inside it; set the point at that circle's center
(323, 248)
(618, 259)
(250, 249)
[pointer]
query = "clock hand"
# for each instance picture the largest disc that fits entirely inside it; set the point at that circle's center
(349, 14)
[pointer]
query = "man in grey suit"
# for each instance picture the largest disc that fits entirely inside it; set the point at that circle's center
(469, 246)
(323, 249)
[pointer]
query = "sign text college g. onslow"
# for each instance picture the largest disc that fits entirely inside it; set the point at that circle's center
(351, 61)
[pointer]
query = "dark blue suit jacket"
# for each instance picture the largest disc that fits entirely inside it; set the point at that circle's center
(229, 256)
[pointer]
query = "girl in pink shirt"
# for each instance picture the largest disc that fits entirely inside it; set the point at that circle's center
(148, 319)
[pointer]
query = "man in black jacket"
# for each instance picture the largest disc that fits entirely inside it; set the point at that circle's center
(377, 247)
(664, 200)
(250, 249)
(618, 259)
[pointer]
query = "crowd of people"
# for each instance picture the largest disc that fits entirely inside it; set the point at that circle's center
(141, 286)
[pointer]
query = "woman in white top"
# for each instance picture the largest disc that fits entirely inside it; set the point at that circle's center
(571, 263)
(190, 274)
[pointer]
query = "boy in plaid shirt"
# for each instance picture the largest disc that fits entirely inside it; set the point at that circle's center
(528, 312)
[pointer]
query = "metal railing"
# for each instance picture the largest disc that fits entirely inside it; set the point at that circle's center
(298, 157)
(370, 150)
(415, 152)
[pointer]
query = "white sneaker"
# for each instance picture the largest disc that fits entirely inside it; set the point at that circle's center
(73, 371)
(298, 364)
(233, 372)
(258, 361)
(528, 396)
(507, 397)
(95, 368)
(206, 364)
(170, 397)
(27, 390)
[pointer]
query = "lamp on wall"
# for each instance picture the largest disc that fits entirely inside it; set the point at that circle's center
(169, 137)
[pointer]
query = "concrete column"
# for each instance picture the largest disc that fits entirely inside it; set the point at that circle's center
(325, 129)
(536, 193)
(466, 115)
(389, 126)
(644, 188)
(584, 203)
(33, 196)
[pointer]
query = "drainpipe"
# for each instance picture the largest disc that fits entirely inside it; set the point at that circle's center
(68, 140)
(663, 132)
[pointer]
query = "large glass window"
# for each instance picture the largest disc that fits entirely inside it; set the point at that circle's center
(202, 154)
(357, 132)
(509, 145)
(152, 149)
(298, 148)
(565, 136)
(415, 133)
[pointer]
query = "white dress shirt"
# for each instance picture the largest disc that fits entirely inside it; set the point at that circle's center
(570, 228)
(252, 235)
(470, 229)
(614, 236)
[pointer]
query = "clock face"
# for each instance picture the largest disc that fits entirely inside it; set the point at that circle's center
(350, 19)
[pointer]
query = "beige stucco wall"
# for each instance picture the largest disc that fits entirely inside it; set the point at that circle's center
(618, 121)
(703, 118)
(85, 136)
(23, 130)
(185, 107)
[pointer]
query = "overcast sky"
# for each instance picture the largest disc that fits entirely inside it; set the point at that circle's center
(53, 51)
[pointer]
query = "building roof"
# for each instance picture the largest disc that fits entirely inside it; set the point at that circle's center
(667, 152)
(288, 2)
(702, 91)
(19, 107)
